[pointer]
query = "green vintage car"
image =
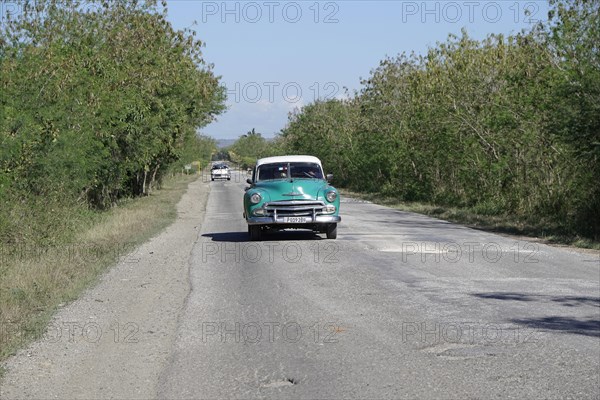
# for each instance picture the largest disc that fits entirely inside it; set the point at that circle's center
(291, 192)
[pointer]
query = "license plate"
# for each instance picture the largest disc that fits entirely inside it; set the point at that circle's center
(295, 220)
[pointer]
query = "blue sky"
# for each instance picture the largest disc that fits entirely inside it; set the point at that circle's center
(275, 56)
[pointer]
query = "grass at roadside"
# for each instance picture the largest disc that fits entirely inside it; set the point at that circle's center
(502, 224)
(36, 280)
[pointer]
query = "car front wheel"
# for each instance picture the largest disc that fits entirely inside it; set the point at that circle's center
(255, 232)
(331, 231)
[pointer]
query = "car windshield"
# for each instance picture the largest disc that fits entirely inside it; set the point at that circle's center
(295, 170)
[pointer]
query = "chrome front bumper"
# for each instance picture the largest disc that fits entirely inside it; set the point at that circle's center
(295, 213)
(319, 219)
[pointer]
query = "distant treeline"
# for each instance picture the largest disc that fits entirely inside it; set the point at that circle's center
(96, 104)
(250, 147)
(505, 125)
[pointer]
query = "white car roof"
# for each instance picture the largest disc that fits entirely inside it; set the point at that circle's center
(280, 159)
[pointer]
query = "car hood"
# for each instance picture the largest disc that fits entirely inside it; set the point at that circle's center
(292, 189)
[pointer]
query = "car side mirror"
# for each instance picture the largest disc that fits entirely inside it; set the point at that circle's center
(329, 177)
(249, 181)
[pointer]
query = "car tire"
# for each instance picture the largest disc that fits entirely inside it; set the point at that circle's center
(228, 179)
(212, 179)
(255, 232)
(331, 231)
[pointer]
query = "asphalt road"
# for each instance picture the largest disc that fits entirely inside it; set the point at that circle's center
(400, 306)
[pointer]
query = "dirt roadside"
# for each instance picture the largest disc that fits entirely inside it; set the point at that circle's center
(115, 339)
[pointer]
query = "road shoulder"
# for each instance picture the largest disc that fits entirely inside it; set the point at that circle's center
(114, 340)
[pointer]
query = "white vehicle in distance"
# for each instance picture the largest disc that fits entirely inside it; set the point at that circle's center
(220, 171)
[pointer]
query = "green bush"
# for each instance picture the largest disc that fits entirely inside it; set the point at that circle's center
(504, 125)
(96, 105)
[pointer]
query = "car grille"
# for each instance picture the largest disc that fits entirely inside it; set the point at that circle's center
(294, 208)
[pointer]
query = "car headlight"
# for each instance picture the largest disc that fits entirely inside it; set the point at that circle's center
(331, 196)
(255, 198)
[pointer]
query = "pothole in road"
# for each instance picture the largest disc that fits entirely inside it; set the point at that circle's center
(461, 351)
(280, 383)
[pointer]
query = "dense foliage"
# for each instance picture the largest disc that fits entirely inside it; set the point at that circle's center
(506, 125)
(97, 101)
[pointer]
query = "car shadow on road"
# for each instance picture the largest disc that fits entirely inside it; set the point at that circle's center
(278, 236)
(580, 326)
(233, 237)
